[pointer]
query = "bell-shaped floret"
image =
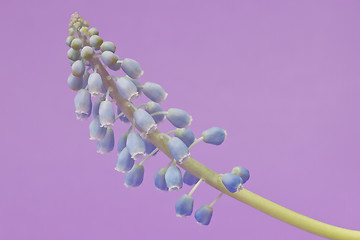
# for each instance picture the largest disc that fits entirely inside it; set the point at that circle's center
(127, 88)
(93, 31)
(122, 118)
(135, 145)
(106, 114)
(78, 68)
(159, 179)
(135, 176)
(75, 83)
(153, 107)
(96, 87)
(184, 206)
(96, 131)
(73, 54)
(108, 46)
(82, 102)
(144, 120)
(76, 44)
(87, 52)
(173, 178)
(149, 147)
(214, 135)
(232, 182)
(154, 92)
(178, 149)
(186, 135)
(131, 68)
(242, 172)
(97, 106)
(179, 118)
(203, 215)
(109, 58)
(121, 143)
(189, 179)
(124, 161)
(95, 41)
(106, 145)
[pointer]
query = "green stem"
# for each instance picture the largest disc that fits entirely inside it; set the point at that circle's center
(213, 179)
(195, 142)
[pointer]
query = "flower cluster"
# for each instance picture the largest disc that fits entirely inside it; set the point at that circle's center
(90, 59)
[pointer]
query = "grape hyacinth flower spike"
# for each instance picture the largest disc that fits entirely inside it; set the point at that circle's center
(90, 59)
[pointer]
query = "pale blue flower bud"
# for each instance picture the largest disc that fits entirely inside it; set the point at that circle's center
(179, 118)
(189, 179)
(78, 68)
(95, 84)
(203, 215)
(96, 131)
(108, 46)
(93, 31)
(154, 92)
(95, 41)
(186, 135)
(121, 144)
(131, 68)
(106, 114)
(153, 107)
(135, 145)
(76, 43)
(178, 149)
(214, 135)
(87, 52)
(106, 145)
(173, 178)
(97, 106)
(135, 176)
(184, 206)
(69, 40)
(73, 54)
(82, 102)
(75, 83)
(242, 172)
(124, 162)
(109, 58)
(159, 179)
(127, 88)
(144, 120)
(123, 118)
(232, 182)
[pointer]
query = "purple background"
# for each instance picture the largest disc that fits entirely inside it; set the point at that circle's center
(282, 77)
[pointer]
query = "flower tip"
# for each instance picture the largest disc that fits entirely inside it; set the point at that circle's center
(174, 188)
(184, 159)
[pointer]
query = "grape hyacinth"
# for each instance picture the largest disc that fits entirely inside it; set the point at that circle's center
(90, 58)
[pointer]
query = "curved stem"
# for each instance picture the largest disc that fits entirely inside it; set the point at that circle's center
(195, 142)
(216, 199)
(210, 177)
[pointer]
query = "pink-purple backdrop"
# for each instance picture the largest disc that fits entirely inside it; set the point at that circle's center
(282, 77)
